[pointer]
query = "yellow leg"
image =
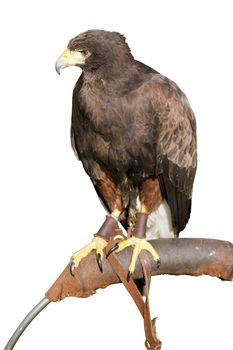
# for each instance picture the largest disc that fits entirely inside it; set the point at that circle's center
(116, 213)
(144, 209)
(138, 244)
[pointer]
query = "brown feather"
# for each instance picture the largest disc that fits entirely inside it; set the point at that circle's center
(132, 124)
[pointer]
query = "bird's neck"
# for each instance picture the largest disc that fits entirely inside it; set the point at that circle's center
(114, 78)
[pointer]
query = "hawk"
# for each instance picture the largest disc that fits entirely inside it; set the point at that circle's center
(135, 134)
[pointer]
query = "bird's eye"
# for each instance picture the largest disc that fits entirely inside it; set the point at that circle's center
(84, 52)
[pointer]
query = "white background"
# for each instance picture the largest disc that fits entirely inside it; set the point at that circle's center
(48, 206)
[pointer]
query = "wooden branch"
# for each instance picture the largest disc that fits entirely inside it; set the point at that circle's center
(179, 256)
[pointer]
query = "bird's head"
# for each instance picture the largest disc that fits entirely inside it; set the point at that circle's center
(95, 49)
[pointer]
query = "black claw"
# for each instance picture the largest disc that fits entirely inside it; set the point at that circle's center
(99, 262)
(129, 274)
(112, 250)
(72, 266)
(158, 263)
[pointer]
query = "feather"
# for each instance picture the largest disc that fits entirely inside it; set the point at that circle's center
(131, 124)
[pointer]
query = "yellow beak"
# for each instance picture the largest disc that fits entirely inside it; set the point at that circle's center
(69, 58)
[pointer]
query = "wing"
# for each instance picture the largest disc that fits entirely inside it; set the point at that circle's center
(76, 131)
(75, 112)
(176, 156)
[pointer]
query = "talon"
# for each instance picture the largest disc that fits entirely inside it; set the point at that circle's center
(129, 274)
(138, 245)
(72, 266)
(115, 247)
(99, 262)
(97, 244)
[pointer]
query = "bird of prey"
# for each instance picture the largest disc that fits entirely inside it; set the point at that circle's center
(135, 134)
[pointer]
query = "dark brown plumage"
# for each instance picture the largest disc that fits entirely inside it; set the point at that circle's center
(133, 129)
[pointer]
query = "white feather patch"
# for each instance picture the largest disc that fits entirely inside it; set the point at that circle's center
(159, 223)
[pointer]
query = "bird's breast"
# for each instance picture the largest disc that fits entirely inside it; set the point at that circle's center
(116, 133)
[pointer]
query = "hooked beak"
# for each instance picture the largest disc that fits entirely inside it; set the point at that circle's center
(60, 64)
(69, 58)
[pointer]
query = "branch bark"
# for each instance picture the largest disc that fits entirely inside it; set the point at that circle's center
(179, 256)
